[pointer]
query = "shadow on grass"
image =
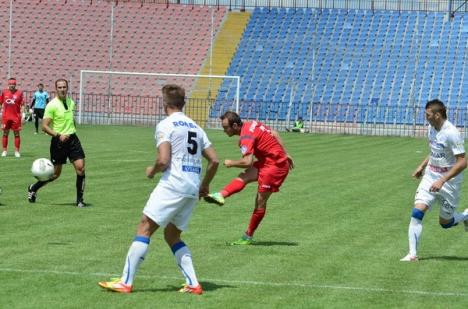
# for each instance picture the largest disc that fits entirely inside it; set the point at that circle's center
(207, 287)
(70, 204)
(445, 258)
(275, 243)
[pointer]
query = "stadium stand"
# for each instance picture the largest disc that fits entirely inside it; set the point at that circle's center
(151, 38)
(382, 61)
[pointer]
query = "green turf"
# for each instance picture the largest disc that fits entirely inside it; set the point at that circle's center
(332, 238)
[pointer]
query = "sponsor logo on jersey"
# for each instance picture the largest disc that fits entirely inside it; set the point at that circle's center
(438, 155)
(437, 145)
(191, 169)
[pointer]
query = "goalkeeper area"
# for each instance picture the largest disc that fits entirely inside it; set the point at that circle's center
(134, 98)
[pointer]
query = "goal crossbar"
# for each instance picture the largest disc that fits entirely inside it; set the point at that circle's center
(84, 72)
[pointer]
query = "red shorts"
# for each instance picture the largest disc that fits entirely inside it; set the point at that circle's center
(271, 175)
(11, 124)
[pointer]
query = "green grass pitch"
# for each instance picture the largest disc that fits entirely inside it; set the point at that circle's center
(332, 238)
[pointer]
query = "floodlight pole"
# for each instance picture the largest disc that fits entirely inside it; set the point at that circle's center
(9, 38)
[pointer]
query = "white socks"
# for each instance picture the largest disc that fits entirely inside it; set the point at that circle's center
(184, 261)
(136, 255)
(414, 234)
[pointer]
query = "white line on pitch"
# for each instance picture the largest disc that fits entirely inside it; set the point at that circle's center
(279, 284)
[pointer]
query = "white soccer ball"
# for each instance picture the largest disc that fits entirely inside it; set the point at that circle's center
(42, 169)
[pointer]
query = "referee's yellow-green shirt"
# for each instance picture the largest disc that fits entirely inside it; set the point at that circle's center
(62, 119)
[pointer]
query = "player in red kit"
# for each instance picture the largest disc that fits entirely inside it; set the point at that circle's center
(270, 170)
(11, 104)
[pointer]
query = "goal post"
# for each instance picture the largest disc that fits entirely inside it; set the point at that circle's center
(120, 97)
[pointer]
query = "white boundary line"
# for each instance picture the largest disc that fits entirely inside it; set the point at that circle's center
(279, 284)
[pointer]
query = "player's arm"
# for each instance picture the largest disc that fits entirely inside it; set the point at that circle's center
(245, 162)
(280, 141)
(46, 122)
(418, 172)
(210, 155)
(163, 160)
(33, 102)
(456, 169)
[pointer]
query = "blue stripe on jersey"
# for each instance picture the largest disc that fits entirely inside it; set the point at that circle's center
(177, 246)
(142, 239)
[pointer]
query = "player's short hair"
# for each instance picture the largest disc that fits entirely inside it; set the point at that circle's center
(174, 95)
(232, 118)
(437, 106)
(12, 79)
(61, 80)
(40, 85)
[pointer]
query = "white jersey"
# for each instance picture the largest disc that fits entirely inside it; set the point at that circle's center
(444, 145)
(187, 141)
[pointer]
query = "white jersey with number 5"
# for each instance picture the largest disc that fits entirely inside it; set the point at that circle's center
(187, 141)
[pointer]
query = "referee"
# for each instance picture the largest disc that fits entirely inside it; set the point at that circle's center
(58, 122)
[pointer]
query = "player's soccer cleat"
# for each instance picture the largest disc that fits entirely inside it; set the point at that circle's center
(81, 204)
(243, 241)
(31, 194)
(17, 154)
(116, 285)
(4, 153)
(215, 198)
(409, 258)
(188, 289)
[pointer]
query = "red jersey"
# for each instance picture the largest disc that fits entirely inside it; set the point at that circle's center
(11, 103)
(256, 139)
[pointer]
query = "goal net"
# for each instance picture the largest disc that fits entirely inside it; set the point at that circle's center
(135, 98)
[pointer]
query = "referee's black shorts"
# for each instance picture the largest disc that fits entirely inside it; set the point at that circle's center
(59, 152)
(39, 112)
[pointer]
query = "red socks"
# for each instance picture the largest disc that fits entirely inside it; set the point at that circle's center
(17, 142)
(5, 142)
(234, 186)
(255, 220)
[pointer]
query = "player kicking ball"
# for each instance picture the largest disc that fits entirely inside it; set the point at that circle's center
(270, 170)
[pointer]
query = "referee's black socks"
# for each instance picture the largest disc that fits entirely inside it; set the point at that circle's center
(39, 184)
(80, 186)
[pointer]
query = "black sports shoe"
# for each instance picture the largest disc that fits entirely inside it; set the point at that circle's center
(31, 194)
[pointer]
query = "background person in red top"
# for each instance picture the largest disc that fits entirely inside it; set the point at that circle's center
(270, 170)
(11, 105)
